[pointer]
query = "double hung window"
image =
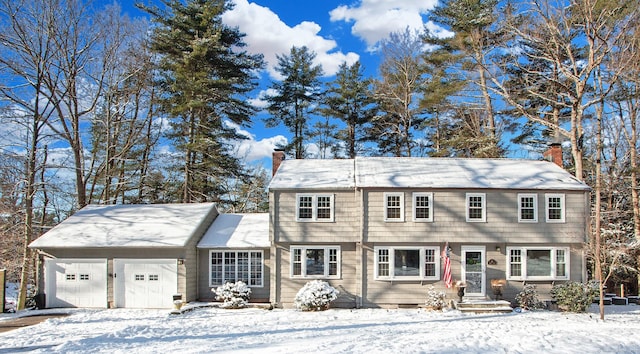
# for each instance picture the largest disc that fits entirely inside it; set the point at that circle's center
(423, 207)
(476, 207)
(554, 207)
(394, 207)
(527, 207)
(315, 207)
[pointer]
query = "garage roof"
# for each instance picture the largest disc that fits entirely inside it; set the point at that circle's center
(135, 226)
(238, 231)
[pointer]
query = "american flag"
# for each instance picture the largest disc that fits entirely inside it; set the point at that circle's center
(446, 276)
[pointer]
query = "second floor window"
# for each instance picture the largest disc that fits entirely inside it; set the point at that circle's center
(554, 207)
(315, 207)
(476, 207)
(423, 207)
(394, 207)
(527, 208)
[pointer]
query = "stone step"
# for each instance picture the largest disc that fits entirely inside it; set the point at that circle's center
(484, 306)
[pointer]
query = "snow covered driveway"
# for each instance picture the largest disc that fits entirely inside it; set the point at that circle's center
(207, 330)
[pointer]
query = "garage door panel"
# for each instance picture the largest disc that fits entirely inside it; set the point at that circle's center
(145, 283)
(76, 282)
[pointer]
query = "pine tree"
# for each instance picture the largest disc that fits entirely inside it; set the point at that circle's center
(296, 96)
(349, 98)
(205, 76)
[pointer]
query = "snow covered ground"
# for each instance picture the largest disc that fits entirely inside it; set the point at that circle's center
(205, 330)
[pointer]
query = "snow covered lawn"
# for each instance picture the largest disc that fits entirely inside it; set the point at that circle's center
(345, 331)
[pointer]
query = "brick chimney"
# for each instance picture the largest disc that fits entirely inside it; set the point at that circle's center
(554, 154)
(277, 158)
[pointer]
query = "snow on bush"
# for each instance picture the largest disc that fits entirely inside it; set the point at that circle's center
(234, 295)
(315, 295)
(528, 298)
(573, 296)
(435, 298)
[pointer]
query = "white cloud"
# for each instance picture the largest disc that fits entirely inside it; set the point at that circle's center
(374, 20)
(267, 34)
(252, 150)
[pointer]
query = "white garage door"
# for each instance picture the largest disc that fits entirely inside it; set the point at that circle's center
(76, 282)
(145, 283)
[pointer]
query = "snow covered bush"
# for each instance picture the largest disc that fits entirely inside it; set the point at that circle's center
(435, 299)
(528, 298)
(573, 296)
(234, 295)
(315, 295)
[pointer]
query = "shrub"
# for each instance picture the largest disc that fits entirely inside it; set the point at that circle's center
(573, 296)
(234, 295)
(315, 295)
(435, 298)
(528, 298)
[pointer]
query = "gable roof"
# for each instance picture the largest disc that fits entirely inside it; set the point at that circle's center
(314, 174)
(238, 231)
(417, 172)
(134, 226)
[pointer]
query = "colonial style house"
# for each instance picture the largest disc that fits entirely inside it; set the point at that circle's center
(376, 227)
(379, 229)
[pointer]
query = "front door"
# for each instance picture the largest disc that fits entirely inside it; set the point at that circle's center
(473, 270)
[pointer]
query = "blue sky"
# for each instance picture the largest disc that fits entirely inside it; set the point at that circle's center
(337, 31)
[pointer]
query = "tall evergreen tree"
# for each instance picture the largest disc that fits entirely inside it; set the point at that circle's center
(205, 75)
(296, 97)
(476, 35)
(350, 99)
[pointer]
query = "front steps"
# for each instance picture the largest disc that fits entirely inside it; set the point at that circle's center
(483, 306)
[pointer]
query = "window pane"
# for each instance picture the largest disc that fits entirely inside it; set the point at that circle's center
(305, 207)
(539, 263)
(315, 261)
(422, 207)
(333, 261)
(297, 261)
(243, 267)
(216, 268)
(383, 263)
(555, 208)
(527, 211)
(393, 207)
(256, 269)
(430, 263)
(407, 263)
(515, 259)
(561, 265)
(230, 267)
(324, 207)
(475, 207)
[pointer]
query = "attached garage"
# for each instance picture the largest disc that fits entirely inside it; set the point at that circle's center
(145, 283)
(136, 256)
(76, 282)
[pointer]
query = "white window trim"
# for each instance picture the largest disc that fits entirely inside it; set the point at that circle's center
(211, 284)
(422, 194)
(554, 262)
(535, 207)
(314, 217)
(562, 207)
(386, 205)
(303, 254)
(392, 250)
(484, 206)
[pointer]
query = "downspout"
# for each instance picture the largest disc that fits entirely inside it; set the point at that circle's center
(360, 249)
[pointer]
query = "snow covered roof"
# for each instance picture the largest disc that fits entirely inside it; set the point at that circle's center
(314, 174)
(238, 231)
(149, 225)
(414, 172)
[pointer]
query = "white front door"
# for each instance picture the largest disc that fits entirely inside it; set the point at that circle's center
(474, 270)
(145, 283)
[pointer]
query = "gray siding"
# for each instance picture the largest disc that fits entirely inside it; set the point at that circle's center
(449, 219)
(289, 287)
(258, 294)
(344, 228)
